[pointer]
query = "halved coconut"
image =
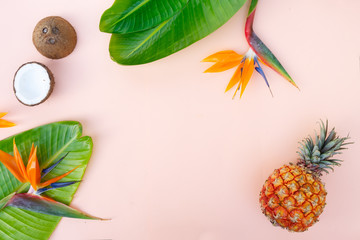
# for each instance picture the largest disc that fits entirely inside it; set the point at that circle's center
(33, 83)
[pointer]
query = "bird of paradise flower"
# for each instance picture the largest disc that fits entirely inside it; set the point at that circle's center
(5, 123)
(32, 200)
(31, 173)
(257, 54)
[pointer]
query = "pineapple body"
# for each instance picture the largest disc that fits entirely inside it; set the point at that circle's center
(293, 198)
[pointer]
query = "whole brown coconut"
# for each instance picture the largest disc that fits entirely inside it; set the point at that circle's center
(54, 37)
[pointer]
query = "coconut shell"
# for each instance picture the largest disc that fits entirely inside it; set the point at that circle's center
(52, 83)
(54, 37)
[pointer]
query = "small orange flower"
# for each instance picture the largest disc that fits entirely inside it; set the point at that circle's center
(32, 172)
(228, 59)
(250, 62)
(4, 123)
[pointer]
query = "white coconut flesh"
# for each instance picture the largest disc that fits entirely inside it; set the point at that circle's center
(32, 83)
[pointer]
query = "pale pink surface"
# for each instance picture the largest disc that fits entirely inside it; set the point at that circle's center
(174, 157)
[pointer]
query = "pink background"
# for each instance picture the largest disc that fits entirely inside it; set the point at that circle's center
(174, 157)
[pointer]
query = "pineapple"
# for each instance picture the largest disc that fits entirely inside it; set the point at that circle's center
(293, 197)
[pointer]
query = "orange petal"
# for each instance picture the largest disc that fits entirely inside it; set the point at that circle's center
(19, 162)
(247, 73)
(235, 78)
(10, 163)
(220, 56)
(47, 183)
(32, 150)
(5, 124)
(33, 169)
(223, 66)
(238, 87)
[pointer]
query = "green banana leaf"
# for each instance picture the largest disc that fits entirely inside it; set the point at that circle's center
(127, 16)
(196, 20)
(53, 141)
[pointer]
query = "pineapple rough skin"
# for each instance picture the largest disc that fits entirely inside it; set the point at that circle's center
(293, 198)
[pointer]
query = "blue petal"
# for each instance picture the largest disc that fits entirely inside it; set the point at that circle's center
(62, 184)
(41, 190)
(256, 61)
(47, 170)
(261, 72)
(54, 186)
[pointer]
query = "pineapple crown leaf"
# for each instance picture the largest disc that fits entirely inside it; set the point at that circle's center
(316, 153)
